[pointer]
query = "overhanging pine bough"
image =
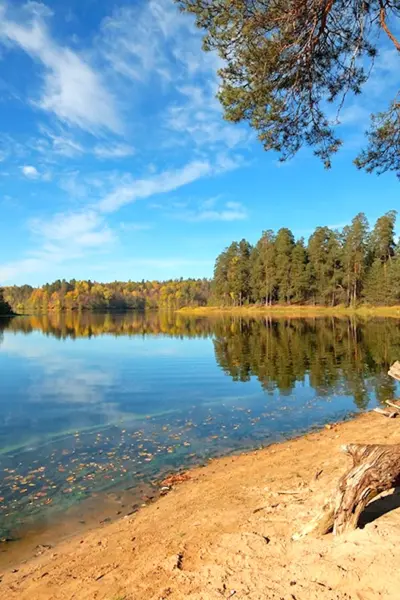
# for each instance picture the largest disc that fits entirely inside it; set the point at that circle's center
(284, 58)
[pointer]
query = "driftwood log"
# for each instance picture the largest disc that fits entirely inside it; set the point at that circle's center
(376, 469)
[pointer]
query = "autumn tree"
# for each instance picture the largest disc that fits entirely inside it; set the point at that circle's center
(286, 61)
(5, 308)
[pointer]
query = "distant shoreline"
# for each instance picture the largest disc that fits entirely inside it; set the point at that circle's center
(294, 311)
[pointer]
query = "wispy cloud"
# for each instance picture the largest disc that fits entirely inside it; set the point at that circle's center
(61, 143)
(10, 148)
(197, 119)
(229, 211)
(72, 183)
(9, 271)
(174, 39)
(72, 89)
(172, 63)
(162, 183)
(113, 151)
(145, 60)
(75, 231)
(63, 237)
(354, 113)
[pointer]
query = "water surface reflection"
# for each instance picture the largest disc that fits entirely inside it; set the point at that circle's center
(105, 403)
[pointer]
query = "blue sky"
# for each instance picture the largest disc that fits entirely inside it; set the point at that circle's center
(115, 162)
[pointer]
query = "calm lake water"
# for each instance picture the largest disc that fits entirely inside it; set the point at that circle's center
(100, 406)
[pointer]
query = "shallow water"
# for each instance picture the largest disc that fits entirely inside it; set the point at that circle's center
(102, 406)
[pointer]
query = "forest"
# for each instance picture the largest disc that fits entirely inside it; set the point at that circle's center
(347, 266)
(117, 296)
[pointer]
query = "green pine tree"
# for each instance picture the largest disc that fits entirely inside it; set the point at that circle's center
(284, 245)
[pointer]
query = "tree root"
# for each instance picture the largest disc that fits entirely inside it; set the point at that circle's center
(376, 469)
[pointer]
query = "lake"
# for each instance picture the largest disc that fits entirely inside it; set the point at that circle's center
(95, 409)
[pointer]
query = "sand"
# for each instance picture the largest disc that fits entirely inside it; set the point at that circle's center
(226, 533)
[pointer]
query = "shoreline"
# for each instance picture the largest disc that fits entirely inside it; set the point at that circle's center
(223, 525)
(293, 311)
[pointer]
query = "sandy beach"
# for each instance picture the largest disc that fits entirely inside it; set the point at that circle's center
(225, 532)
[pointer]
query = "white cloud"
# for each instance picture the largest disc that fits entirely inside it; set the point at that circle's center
(9, 271)
(354, 114)
(173, 62)
(73, 184)
(198, 118)
(156, 24)
(385, 74)
(63, 237)
(159, 184)
(147, 50)
(210, 202)
(10, 148)
(60, 143)
(378, 92)
(113, 151)
(230, 211)
(76, 231)
(30, 171)
(73, 90)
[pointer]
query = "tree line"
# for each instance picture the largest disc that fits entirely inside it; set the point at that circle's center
(85, 324)
(349, 266)
(334, 267)
(62, 295)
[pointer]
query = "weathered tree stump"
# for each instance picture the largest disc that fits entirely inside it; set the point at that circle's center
(376, 469)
